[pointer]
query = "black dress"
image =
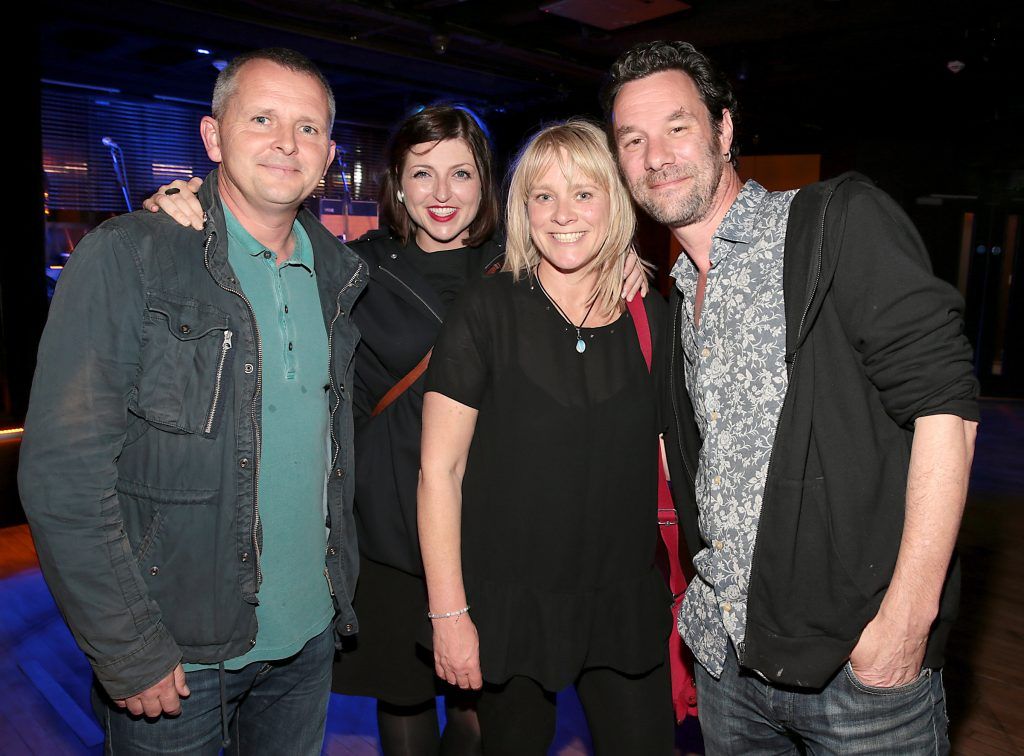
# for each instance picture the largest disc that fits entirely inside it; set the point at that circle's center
(399, 316)
(559, 514)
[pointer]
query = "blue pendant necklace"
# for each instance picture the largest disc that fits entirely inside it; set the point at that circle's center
(581, 345)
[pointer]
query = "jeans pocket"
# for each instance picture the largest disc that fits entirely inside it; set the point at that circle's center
(923, 676)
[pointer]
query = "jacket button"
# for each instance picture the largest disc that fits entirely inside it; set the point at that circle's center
(245, 556)
(266, 255)
(339, 473)
(154, 570)
(394, 256)
(331, 551)
(185, 329)
(243, 462)
(348, 627)
(252, 642)
(249, 367)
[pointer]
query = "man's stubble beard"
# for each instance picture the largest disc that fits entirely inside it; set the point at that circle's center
(690, 207)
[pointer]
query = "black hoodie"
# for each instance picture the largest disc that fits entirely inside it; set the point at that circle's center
(873, 341)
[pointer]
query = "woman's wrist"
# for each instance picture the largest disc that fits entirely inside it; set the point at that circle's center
(456, 613)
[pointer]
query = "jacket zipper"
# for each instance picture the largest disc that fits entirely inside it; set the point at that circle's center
(224, 349)
(789, 386)
(429, 308)
(330, 351)
(257, 441)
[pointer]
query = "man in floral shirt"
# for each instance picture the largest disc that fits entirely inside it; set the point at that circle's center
(823, 419)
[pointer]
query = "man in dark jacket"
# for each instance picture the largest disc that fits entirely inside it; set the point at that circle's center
(189, 437)
(823, 414)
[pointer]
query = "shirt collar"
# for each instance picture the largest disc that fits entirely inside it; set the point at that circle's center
(738, 224)
(243, 241)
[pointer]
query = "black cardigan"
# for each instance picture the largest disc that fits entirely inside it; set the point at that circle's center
(873, 341)
(399, 316)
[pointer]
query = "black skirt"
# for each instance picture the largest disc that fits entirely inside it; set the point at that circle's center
(384, 661)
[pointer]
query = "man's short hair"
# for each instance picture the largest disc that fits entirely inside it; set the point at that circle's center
(227, 80)
(640, 61)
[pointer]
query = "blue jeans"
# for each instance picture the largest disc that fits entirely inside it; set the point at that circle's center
(742, 714)
(271, 708)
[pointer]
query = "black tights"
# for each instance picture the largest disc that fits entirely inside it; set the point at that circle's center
(413, 730)
(626, 714)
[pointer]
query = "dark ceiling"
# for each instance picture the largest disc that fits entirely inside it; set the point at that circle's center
(833, 77)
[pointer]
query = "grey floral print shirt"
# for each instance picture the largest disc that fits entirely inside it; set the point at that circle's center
(736, 375)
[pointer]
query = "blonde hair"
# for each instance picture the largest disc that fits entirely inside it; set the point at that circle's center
(577, 145)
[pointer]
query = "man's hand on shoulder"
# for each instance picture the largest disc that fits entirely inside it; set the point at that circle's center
(162, 698)
(889, 652)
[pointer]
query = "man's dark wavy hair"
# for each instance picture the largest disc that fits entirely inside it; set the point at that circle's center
(640, 61)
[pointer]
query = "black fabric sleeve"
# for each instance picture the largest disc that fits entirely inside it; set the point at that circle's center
(906, 324)
(460, 364)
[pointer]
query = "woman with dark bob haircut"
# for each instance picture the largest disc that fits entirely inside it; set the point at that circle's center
(439, 209)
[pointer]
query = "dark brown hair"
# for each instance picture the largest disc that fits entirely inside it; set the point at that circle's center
(642, 60)
(436, 123)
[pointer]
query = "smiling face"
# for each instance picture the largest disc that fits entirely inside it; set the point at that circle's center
(272, 140)
(668, 149)
(568, 217)
(441, 187)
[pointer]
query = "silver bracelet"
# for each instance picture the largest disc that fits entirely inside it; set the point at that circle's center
(446, 615)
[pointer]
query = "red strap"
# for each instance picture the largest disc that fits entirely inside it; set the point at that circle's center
(643, 328)
(399, 388)
(684, 691)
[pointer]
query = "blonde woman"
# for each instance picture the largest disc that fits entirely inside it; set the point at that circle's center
(537, 491)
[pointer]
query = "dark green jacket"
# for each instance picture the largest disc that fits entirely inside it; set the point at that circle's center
(140, 456)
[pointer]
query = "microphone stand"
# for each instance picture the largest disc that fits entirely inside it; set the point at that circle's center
(119, 168)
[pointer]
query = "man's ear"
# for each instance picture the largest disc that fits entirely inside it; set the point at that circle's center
(725, 132)
(330, 158)
(209, 130)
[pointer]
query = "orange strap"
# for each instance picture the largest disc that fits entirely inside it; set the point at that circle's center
(399, 388)
(410, 378)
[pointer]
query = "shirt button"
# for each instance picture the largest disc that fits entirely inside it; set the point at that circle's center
(718, 545)
(154, 570)
(286, 309)
(243, 462)
(705, 352)
(185, 329)
(249, 367)
(289, 346)
(266, 255)
(715, 415)
(726, 607)
(717, 480)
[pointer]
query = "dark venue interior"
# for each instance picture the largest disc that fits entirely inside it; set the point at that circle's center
(923, 98)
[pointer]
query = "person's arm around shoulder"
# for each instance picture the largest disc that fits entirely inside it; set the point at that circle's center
(447, 432)
(74, 432)
(178, 199)
(907, 326)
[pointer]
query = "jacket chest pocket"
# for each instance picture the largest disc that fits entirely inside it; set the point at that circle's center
(187, 352)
